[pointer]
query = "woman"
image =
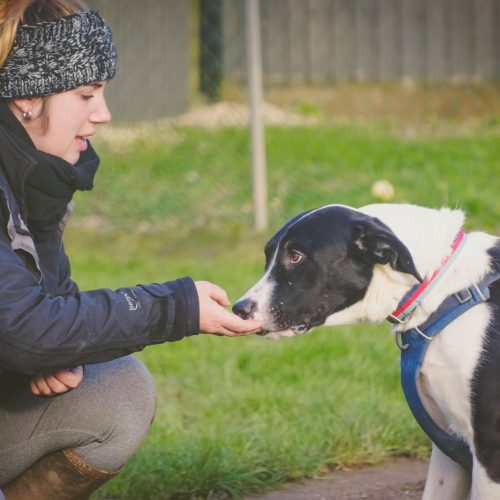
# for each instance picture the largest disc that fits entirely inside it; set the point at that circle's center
(55, 60)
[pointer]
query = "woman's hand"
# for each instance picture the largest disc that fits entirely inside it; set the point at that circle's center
(56, 383)
(215, 319)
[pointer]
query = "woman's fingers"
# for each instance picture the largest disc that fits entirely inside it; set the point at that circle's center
(56, 383)
(238, 326)
(214, 291)
(215, 319)
(70, 378)
(46, 385)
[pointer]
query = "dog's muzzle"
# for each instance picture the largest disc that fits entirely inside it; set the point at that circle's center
(246, 308)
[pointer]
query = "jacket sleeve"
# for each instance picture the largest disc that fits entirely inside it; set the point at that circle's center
(41, 332)
(67, 287)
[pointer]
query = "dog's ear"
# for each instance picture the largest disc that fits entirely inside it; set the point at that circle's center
(377, 244)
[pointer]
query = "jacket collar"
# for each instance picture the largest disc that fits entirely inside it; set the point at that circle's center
(14, 143)
(43, 184)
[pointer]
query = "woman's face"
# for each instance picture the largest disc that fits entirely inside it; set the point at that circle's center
(62, 123)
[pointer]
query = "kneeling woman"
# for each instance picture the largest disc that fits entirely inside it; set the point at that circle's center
(55, 60)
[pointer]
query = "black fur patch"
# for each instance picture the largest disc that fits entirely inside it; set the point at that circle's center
(486, 387)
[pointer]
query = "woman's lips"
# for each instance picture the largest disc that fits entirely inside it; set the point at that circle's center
(82, 143)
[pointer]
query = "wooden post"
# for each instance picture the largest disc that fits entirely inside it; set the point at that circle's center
(254, 85)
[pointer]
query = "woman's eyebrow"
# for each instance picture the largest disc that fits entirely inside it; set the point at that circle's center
(96, 85)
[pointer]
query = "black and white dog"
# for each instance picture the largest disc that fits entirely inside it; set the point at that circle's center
(337, 265)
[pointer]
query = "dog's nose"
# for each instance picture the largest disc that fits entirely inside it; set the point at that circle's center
(245, 308)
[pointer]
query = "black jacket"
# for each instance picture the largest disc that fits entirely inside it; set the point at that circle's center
(46, 323)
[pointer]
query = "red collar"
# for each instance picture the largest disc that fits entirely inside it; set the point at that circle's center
(416, 294)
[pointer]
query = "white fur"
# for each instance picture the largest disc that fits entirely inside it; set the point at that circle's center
(483, 488)
(446, 480)
(449, 365)
(260, 293)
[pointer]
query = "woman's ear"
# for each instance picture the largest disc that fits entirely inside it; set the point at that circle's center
(26, 108)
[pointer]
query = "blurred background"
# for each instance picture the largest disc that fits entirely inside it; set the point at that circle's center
(362, 101)
(408, 67)
(171, 51)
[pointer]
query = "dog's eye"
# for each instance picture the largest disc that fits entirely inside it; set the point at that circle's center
(295, 258)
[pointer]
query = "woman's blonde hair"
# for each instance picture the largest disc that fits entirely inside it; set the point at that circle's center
(14, 13)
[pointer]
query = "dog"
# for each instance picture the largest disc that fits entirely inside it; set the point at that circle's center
(338, 265)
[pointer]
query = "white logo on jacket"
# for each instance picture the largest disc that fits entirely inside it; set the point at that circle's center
(133, 302)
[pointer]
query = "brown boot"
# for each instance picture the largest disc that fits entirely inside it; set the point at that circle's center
(60, 475)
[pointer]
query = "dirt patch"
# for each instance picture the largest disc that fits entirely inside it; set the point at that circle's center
(233, 114)
(400, 480)
(405, 109)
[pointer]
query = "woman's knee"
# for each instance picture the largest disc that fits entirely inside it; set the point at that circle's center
(130, 389)
(126, 408)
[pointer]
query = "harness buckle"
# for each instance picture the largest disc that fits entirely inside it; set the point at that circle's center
(422, 334)
(399, 342)
(481, 294)
(467, 296)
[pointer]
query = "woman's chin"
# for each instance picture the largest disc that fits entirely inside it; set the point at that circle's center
(72, 157)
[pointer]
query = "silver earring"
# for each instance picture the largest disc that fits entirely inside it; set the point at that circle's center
(27, 115)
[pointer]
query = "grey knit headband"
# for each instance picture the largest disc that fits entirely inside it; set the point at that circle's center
(54, 56)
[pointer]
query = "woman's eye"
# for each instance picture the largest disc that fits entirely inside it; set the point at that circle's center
(295, 258)
(87, 97)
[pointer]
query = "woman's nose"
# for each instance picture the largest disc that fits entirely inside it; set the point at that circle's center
(101, 115)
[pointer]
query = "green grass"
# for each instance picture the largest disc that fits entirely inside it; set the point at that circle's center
(238, 416)
(201, 179)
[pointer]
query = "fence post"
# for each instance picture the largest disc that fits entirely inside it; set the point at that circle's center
(254, 86)
(211, 48)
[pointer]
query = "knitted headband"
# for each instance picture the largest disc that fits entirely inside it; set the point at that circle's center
(54, 56)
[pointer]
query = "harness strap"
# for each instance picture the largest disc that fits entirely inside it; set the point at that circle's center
(414, 344)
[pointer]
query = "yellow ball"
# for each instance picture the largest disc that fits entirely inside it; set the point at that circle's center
(383, 190)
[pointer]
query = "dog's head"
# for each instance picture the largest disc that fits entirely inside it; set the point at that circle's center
(318, 264)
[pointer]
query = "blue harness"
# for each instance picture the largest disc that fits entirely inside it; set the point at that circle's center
(413, 344)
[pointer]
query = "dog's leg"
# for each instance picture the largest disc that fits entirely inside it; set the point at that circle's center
(446, 480)
(483, 488)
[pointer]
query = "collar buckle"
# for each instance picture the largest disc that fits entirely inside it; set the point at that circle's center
(398, 321)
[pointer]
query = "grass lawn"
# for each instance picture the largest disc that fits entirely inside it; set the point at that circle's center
(237, 416)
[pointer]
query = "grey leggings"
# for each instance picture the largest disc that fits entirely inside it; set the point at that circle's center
(104, 419)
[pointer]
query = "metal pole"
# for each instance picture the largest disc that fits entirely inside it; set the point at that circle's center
(211, 49)
(258, 154)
